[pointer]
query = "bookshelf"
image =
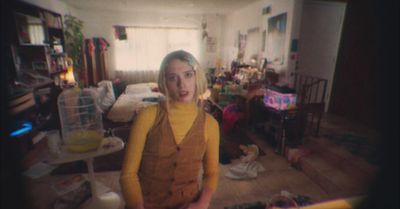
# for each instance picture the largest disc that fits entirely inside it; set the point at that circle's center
(35, 42)
(39, 40)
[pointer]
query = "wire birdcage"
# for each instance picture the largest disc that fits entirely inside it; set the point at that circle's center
(81, 119)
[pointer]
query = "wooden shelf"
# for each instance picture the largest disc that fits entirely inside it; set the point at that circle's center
(58, 54)
(54, 28)
(43, 84)
(58, 72)
(38, 45)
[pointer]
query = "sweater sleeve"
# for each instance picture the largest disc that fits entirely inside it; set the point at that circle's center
(129, 180)
(211, 158)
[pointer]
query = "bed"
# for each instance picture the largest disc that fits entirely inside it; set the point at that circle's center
(135, 98)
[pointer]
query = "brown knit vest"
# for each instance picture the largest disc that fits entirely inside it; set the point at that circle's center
(169, 172)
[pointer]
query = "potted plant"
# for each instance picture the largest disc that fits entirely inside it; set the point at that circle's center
(74, 42)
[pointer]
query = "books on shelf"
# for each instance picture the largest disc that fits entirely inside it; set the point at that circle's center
(43, 91)
(53, 21)
(21, 103)
(20, 99)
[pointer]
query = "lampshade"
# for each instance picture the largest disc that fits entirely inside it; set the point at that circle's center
(69, 75)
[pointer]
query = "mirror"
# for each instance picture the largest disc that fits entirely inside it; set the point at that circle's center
(30, 30)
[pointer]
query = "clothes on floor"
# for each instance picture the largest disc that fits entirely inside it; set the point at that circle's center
(248, 167)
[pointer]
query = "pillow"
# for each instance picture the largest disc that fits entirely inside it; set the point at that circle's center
(139, 88)
(152, 85)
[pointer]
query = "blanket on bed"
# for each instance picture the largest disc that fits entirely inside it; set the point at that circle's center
(135, 98)
(128, 105)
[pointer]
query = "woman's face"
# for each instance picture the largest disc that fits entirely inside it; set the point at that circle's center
(181, 81)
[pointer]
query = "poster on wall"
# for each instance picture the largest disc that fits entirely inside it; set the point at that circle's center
(276, 39)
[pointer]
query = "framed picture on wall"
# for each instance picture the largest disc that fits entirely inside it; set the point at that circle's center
(276, 39)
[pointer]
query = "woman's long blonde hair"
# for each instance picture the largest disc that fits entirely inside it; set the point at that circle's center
(184, 56)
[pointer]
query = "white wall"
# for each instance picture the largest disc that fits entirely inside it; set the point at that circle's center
(251, 17)
(214, 29)
(99, 23)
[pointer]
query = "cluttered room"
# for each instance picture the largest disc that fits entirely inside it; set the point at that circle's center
(81, 75)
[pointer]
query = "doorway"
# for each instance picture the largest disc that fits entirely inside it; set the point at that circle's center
(320, 33)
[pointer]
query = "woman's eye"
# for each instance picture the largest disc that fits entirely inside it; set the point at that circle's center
(189, 74)
(171, 78)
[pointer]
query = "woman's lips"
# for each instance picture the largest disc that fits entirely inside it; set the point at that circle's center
(183, 93)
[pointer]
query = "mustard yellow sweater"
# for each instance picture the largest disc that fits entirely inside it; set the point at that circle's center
(181, 117)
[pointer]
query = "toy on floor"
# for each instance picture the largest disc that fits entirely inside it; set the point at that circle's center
(248, 167)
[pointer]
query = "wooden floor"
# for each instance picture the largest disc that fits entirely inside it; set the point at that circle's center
(278, 176)
(312, 181)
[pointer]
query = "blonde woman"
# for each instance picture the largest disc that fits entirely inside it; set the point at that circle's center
(171, 142)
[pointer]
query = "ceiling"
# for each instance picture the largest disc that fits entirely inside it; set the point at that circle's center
(163, 6)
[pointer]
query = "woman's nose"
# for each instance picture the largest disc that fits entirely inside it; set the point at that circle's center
(180, 82)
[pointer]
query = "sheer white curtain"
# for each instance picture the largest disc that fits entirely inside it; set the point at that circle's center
(138, 58)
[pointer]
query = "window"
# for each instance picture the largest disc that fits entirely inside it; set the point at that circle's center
(145, 47)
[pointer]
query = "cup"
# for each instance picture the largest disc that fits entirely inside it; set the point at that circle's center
(54, 142)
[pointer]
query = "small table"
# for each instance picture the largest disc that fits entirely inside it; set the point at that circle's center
(108, 200)
(279, 120)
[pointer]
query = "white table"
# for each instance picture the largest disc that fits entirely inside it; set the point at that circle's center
(107, 200)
